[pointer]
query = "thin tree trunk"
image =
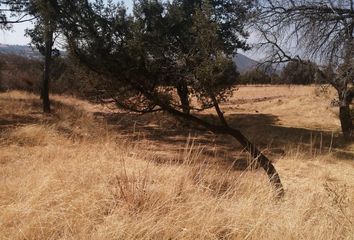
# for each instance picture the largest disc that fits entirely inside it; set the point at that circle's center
(182, 91)
(46, 70)
(261, 159)
(218, 111)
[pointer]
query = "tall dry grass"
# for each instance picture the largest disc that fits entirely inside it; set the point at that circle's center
(67, 176)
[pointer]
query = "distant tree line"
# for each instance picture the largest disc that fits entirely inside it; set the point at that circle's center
(298, 73)
(67, 76)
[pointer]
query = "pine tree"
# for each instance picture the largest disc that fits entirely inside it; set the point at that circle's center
(145, 58)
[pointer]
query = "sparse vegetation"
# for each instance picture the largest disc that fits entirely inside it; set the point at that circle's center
(78, 174)
(320, 31)
(144, 134)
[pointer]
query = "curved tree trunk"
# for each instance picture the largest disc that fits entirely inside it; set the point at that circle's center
(261, 159)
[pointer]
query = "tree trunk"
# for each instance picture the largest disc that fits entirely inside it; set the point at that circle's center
(345, 98)
(218, 111)
(46, 70)
(346, 121)
(182, 90)
(261, 159)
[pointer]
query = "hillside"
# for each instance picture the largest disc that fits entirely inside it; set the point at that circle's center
(86, 173)
(243, 63)
(24, 51)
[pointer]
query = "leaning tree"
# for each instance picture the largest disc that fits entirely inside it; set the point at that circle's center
(145, 58)
(322, 31)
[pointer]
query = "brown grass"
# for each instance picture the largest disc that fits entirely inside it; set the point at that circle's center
(71, 175)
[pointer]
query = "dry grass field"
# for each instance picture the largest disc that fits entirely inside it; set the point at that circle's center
(84, 172)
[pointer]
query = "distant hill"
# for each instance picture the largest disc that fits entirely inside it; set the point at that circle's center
(21, 50)
(243, 63)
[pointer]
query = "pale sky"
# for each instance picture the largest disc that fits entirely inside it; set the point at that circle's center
(16, 35)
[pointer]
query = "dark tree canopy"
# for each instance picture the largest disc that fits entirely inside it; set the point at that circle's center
(165, 55)
(299, 73)
(161, 53)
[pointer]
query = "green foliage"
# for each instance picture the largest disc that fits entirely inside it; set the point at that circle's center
(47, 14)
(163, 44)
(255, 76)
(299, 73)
(214, 73)
(230, 17)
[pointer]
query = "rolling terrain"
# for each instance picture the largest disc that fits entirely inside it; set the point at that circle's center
(88, 172)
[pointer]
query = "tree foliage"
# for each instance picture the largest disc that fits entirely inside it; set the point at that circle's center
(46, 14)
(13, 11)
(162, 54)
(299, 73)
(255, 76)
(165, 48)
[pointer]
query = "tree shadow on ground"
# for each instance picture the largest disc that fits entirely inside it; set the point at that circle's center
(265, 130)
(262, 129)
(14, 120)
(166, 134)
(11, 118)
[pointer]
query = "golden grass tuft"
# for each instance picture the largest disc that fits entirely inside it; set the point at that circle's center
(31, 135)
(69, 176)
